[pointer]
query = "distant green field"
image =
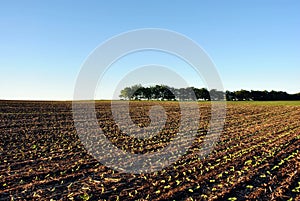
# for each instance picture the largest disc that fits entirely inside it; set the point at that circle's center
(287, 103)
(295, 103)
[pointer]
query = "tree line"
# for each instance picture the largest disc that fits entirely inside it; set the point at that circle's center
(164, 92)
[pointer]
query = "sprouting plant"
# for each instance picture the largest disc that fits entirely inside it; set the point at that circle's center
(85, 197)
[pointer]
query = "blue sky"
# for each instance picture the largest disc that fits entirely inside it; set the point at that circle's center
(254, 44)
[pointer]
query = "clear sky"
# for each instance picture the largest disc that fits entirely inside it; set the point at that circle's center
(254, 44)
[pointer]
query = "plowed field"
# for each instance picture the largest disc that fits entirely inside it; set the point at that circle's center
(256, 158)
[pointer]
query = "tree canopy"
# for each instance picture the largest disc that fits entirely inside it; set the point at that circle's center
(164, 92)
